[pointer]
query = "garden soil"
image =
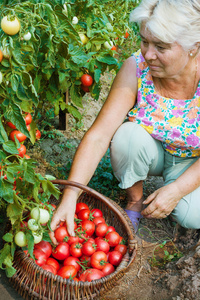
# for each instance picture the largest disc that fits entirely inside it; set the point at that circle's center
(168, 257)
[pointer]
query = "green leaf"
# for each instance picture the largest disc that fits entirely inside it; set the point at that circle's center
(4, 253)
(97, 75)
(6, 191)
(3, 134)
(74, 111)
(107, 59)
(10, 147)
(8, 237)
(30, 240)
(10, 271)
(75, 96)
(13, 212)
(49, 188)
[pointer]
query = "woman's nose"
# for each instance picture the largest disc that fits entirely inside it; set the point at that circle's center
(150, 53)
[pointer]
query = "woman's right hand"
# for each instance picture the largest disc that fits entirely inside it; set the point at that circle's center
(64, 212)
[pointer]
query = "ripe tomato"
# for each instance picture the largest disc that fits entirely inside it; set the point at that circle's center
(72, 239)
(85, 88)
(126, 34)
(91, 274)
(98, 260)
(38, 134)
(84, 214)
(113, 238)
(121, 248)
(111, 228)
(88, 248)
(88, 226)
(80, 206)
(86, 80)
(11, 125)
(85, 260)
(102, 245)
(27, 156)
(28, 119)
(19, 135)
(22, 150)
(115, 257)
(67, 272)
(96, 213)
(108, 269)
(1, 55)
(53, 262)
(49, 268)
(61, 252)
(82, 236)
(114, 48)
(98, 220)
(61, 233)
(45, 247)
(40, 257)
(72, 261)
(10, 27)
(101, 229)
(76, 249)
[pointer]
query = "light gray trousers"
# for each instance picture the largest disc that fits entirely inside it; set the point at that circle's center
(135, 154)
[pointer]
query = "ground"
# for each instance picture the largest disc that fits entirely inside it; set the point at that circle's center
(166, 264)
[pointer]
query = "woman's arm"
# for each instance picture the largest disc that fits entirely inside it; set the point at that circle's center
(96, 141)
(165, 199)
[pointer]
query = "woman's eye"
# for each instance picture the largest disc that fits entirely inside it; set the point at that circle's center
(160, 48)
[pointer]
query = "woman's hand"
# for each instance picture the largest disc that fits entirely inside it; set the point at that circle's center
(162, 202)
(64, 212)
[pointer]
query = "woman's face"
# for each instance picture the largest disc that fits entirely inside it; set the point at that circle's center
(164, 60)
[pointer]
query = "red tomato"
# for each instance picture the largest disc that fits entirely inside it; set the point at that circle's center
(72, 261)
(61, 252)
(45, 247)
(80, 206)
(76, 249)
(126, 34)
(91, 240)
(84, 214)
(114, 48)
(72, 239)
(38, 134)
(61, 233)
(28, 119)
(67, 272)
(27, 156)
(98, 260)
(101, 229)
(102, 245)
(86, 80)
(85, 260)
(98, 220)
(28, 127)
(82, 236)
(111, 228)
(85, 88)
(53, 262)
(88, 227)
(40, 257)
(108, 269)
(91, 274)
(49, 268)
(112, 238)
(22, 150)
(96, 212)
(115, 257)
(11, 125)
(19, 135)
(121, 248)
(88, 248)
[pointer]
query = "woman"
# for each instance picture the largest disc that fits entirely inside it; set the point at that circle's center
(159, 89)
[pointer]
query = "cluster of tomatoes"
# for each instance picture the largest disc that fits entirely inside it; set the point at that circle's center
(22, 137)
(94, 252)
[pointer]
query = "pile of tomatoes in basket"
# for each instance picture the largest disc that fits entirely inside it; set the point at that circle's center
(94, 252)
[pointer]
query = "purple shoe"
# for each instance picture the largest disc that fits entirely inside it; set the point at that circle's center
(135, 217)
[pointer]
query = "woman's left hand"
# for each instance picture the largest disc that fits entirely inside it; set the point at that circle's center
(162, 202)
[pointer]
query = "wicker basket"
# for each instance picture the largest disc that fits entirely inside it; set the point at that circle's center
(32, 282)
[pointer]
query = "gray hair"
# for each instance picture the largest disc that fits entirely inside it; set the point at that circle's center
(170, 20)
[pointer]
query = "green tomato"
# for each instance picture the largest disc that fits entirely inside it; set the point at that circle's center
(20, 239)
(75, 20)
(39, 214)
(1, 77)
(108, 45)
(83, 37)
(37, 237)
(32, 224)
(27, 36)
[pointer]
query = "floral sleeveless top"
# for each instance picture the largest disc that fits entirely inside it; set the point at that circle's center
(176, 123)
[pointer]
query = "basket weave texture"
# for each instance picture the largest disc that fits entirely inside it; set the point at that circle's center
(32, 282)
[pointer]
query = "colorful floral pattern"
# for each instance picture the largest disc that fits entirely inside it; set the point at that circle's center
(176, 123)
